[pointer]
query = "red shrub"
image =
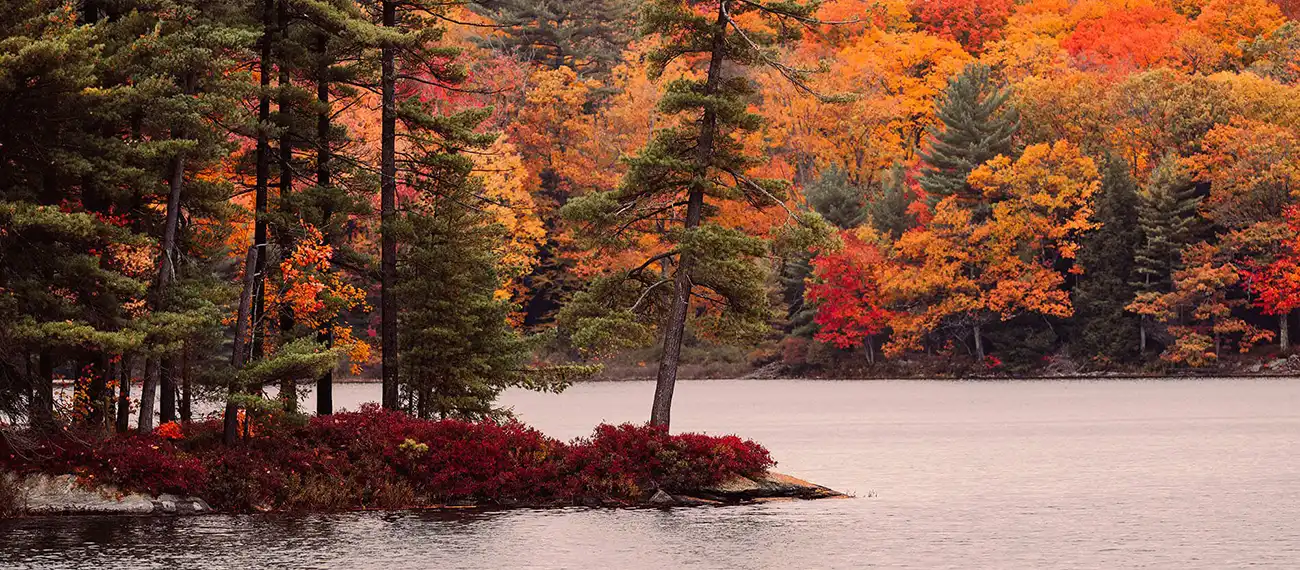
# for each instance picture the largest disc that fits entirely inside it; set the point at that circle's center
(385, 459)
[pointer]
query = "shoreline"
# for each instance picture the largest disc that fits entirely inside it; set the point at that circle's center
(44, 495)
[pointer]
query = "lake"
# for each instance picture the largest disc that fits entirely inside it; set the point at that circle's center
(1187, 474)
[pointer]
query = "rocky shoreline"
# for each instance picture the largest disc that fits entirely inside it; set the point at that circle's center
(70, 495)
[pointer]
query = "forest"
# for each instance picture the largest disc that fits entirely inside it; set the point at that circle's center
(204, 199)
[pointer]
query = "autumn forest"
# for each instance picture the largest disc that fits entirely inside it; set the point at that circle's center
(202, 201)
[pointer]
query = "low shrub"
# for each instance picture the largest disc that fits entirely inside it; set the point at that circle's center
(382, 459)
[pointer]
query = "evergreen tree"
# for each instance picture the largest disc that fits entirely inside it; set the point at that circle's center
(1105, 330)
(978, 124)
(1167, 217)
(588, 36)
(458, 350)
(700, 156)
(887, 210)
(836, 199)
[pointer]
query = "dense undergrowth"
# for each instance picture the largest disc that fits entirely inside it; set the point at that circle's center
(381, 459)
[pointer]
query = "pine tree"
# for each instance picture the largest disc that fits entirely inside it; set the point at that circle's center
(836, 199)
(700, 156)
(588, 36)
(978, 124)
(458, 351)
(887, 210)
(1106, 331)
(1167, 217)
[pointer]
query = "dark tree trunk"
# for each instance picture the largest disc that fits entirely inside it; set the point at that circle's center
(42, 409)
(979, 343)
(324, 384)
(166, 390)
(187, 393)
(124, 396)
(388, 216)
(167, 274)
(263, 179)
(97, 393)
(661, 410)
(148, 390)
(239, 355)
(289, 385)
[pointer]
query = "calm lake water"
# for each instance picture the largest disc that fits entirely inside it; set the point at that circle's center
(1201, 474)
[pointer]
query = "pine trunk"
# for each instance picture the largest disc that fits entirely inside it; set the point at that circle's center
(263, 180)
(42, 408)
(979, 343)
(166, 390)
(324, 384)
(871, 349)
(388, 216)
(187, 390)
(124, 396)
(289, 385)
(661, 410)
(148, 390)
(240, 353)
(166, 274)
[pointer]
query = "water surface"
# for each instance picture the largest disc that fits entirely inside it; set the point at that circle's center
(1191, 474)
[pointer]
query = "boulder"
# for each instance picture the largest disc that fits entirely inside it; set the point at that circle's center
(661, 499)
(767, 486)
(68, 495)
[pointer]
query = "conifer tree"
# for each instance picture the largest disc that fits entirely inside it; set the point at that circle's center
(1167, 216)
(836, 199)
(978, 124)
(1106, 331)
(887, 210)
(698, 158)
(588, 36)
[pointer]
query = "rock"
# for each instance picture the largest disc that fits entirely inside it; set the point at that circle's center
(689, 501)
(64, 495)
(768, 485)
(69, 495)
(661, 499)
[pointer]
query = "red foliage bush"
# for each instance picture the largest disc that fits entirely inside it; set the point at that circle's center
(382, 459)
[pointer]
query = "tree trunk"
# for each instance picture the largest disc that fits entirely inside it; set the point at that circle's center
(661, 410)
(187, 391)
(1284, 332)
(388, 216)
(148, 389)
(42, 409)
(263, 179)
(1142, 336)
(871, 349)
(166, 390)
(124, 396)
(288, 385)
(96, 393)
(239, 355)
(166, 274)
(324, 384)
(979, 343)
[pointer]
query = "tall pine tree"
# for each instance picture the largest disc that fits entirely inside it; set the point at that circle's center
(978, 124)
(1167, 218)
(1106, 332)
(677, 180)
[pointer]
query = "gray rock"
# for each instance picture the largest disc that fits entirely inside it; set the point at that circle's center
(768, 485)
(69, 495)
(661, 499)
(65, 494)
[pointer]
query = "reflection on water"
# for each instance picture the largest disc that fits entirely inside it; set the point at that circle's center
(1053, 474)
